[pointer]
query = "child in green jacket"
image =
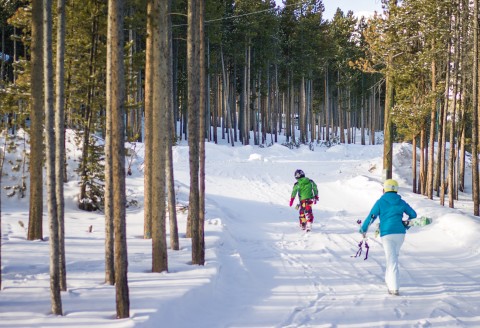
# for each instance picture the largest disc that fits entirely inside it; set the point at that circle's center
(308, 194)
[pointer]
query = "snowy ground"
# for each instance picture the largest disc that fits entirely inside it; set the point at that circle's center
(261, 270)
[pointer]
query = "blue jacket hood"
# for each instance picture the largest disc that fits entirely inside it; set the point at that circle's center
(390, 208)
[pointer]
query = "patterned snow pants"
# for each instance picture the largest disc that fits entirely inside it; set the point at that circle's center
(305, 211)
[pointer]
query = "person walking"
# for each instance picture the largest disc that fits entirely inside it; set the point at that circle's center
(307, 192)
(390, 207)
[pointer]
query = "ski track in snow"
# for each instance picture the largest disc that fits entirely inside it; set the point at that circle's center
(331, 285)
(261, 270)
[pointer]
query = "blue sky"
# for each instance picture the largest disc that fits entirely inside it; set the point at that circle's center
(359, 7)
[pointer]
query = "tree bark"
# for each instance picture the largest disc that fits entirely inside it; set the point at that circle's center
(475, 112)
(35, 225)
(433, 116)
(60, 140)
(193, 113)
(147, 225)
(109, 201)
(50, 160)
(117, 97)
(203, 98)
(388, 126)
(172, 211)
(161, 97)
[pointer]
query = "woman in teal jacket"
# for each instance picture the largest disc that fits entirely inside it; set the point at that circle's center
(390, 208)
(308, 194)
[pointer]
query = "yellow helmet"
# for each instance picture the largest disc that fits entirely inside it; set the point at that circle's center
(390, 185)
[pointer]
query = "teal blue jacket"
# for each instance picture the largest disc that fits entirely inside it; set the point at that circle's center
(305, 188)
(390, 208)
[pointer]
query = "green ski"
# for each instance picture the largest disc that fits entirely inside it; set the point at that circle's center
(418, 222)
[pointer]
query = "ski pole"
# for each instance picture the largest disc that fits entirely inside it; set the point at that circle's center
(360, 244)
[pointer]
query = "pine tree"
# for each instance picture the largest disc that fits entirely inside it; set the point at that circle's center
(116, 107)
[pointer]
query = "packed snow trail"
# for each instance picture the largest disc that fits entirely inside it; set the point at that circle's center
(271, 274)
(261, 270)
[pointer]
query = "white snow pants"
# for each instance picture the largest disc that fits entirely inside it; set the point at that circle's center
(391, 245)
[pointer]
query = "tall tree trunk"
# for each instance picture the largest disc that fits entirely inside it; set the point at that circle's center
(302, 117)
(50, 159)
(292, 110)
(2, 161)
(174, 241)
(203, 98)
(414, 164)
(60, 140)
(453, 132)
(193, 133)
(475, 113)
(245, 99)
(340, 110)
(109, 201)
(388, 126)
(422, 180)
(444, 123)
(117, 97)
(35, 226)
(362, 113)
(148, 166)
(433, 116)
(161, 96)
(327, 107)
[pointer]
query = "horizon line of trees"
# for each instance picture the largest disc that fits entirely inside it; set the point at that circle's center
(134, 70)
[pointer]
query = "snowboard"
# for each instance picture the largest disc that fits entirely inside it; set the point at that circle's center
(418, 222)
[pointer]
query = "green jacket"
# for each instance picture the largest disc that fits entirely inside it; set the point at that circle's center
(305, 188)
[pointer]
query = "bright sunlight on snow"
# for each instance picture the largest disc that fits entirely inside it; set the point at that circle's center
(261, 270)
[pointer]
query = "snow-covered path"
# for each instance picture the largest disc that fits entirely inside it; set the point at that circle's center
(273, 275)
(261, 270)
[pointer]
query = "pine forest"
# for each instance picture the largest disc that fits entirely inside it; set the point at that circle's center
(247, 71)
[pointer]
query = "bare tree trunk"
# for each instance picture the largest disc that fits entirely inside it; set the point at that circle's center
(421, 182)
(327, 107)
(245, 99)
(148, 170)
(362, 115)
(431, 150)
(50, 159)
(452, 136)
(109, 202)
(349, 117)
(226, 97)
(340, 110)
(117, 97)
(292, 108)
(161, 96)
(60, 140)
(2, 161)
(462, 139)
(444, 125)
(203, 96)
(475, 112)
(248, 99)
(35, 226)
(414, 164)
(302, 117)
(388, 126)
(172, 213)
(193, 137)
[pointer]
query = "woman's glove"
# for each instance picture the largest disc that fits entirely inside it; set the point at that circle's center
(291, 201)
